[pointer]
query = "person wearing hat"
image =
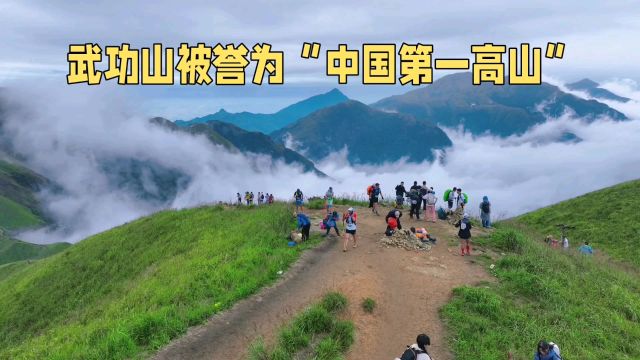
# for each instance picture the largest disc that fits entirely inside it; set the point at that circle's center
(349, 220)
(464, 233)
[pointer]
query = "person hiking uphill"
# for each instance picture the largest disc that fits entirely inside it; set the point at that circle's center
(304, 224)
(547, 351)
(417, 351)
(400, 193)
(464, 234)
(485, 212)
(331, 221)
(349, 220)
(376, 195)
(299, 200)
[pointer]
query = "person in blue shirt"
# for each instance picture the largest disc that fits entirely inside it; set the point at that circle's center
(332, 222)
(546, 352)
(586, 248)
(304, 224)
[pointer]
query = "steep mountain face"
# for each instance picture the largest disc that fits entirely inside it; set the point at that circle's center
(371, 136)
(505, 110)
(593, 89)
(259, 143)
(19, 206)
(15, 250)
(236, 139)
(267, 123)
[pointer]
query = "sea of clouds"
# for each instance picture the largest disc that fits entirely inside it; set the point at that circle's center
(62, 133)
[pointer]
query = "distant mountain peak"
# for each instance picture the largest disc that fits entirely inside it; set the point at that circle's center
(583, 84)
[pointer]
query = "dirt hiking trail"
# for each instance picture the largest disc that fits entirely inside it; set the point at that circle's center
(409, 288)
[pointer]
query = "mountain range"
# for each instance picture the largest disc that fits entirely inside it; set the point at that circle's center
(267, 123)
(593, 89)
(502, 110)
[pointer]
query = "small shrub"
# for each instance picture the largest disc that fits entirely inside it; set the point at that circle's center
(334, 302)
(368, 305)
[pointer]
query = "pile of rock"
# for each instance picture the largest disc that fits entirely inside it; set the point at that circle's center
(404, 239)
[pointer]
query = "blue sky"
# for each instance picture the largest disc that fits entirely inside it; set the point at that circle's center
(36, 35)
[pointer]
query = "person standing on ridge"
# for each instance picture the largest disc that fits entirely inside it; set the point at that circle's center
(376, 195)
(414, 195)
(424, 190)
(431, 200)
(299, 197)
(328, 196)
(485, 212)
(451, 199)
(239, 198)
(400, 193)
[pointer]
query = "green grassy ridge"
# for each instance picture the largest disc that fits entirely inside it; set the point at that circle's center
(15, 250)
(592, 310)
(130, 290)
(608, 219)
(18, 184)
(15, 216)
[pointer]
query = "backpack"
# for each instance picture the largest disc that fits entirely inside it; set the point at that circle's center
(370, 190)
(411, 353)
(485, 207)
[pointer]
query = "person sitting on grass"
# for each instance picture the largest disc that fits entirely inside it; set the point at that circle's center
(586, 248)
(417, 351)
(546, 352)
(332, 222)
(304, 224)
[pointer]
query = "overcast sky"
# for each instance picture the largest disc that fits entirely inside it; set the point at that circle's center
(601, 40)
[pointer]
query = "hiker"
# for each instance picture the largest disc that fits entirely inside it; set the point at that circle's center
(251, 197)
(452, 195)
(417, 351)
(551, 241)
(393, 221)
(547, 351)
(299, 200)
(349, 220)
(422, 234)
(464, 234)
(400, 193)
(459, 198)
(271, 198)
(565, 244)
(485, 212)
(424, 190)
(331, 221)
(247, 198)
(376, 194)
(370, 189)
(328, 196)
(430, 210)
(304, 224)
(239, 198)
(261, 198)
(414, 195)
(586, 249)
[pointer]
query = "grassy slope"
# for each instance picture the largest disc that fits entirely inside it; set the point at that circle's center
(590, 308)
(127, 291)
(16, 216)
(609, 219)
(15, 250)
